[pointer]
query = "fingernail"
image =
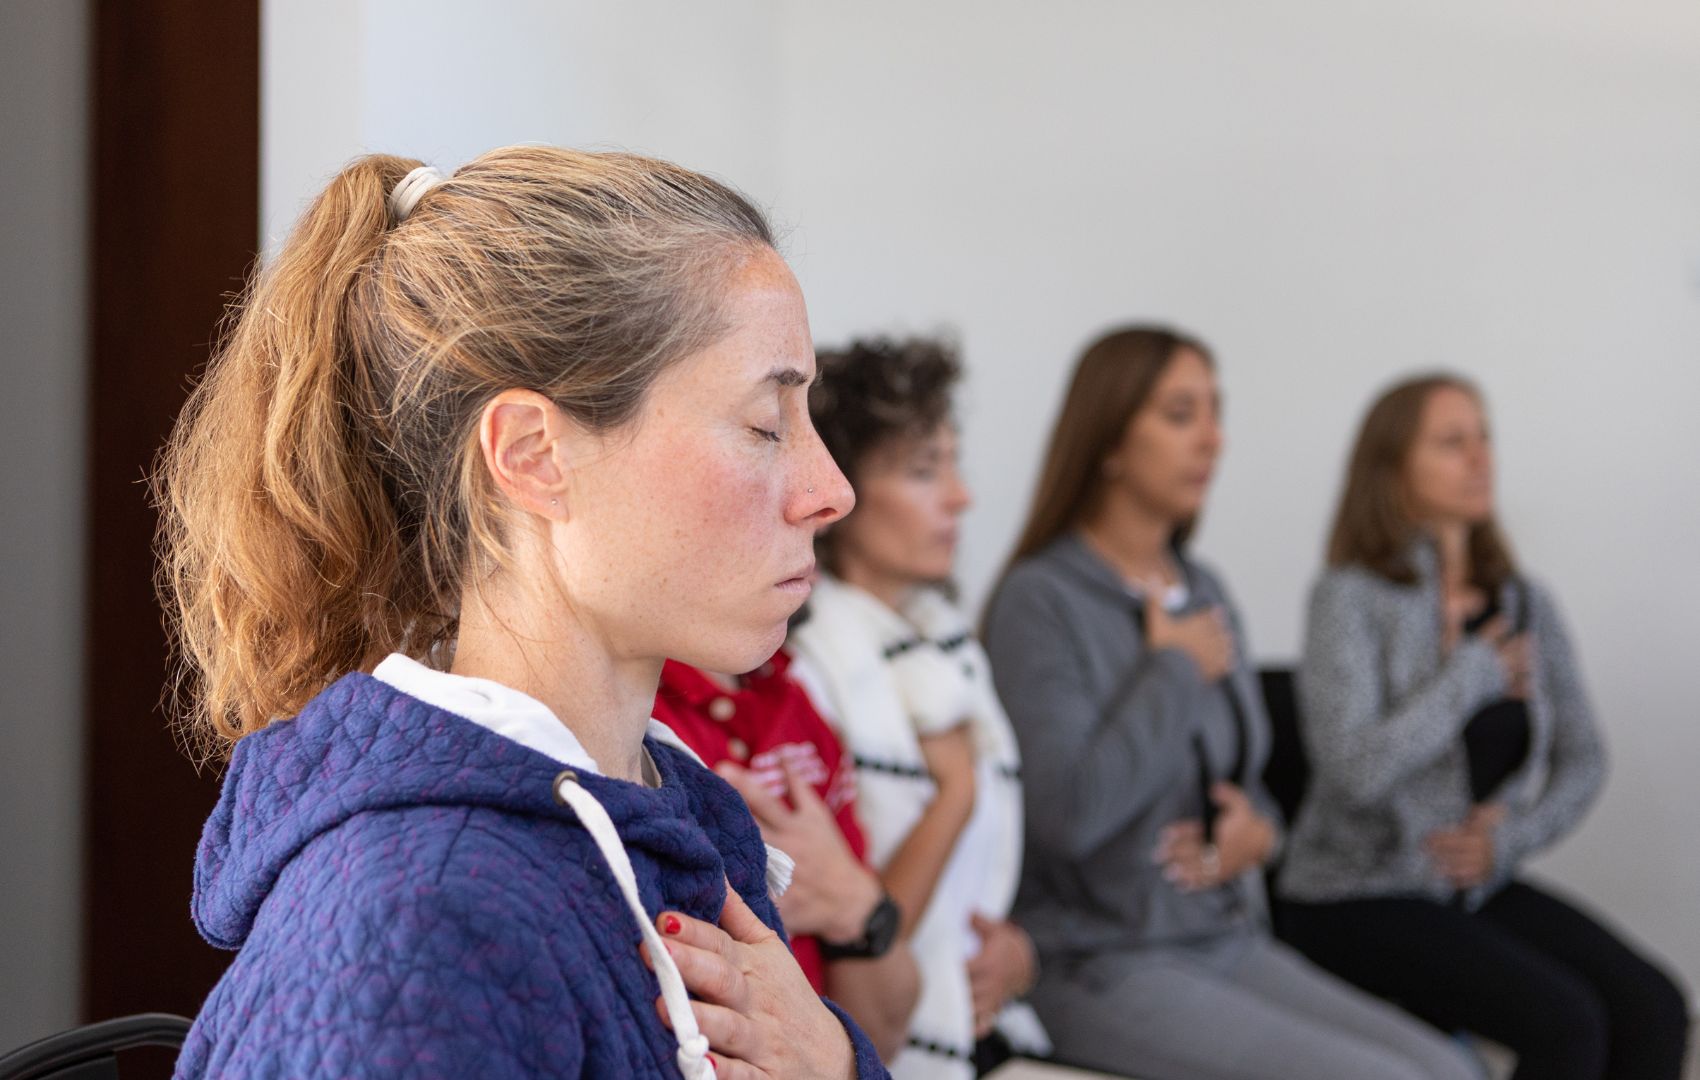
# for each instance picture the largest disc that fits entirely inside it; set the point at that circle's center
(671, 924)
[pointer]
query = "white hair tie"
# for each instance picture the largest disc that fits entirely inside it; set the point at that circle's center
(411, 189)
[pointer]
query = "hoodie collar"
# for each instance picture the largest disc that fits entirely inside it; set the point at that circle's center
(501, 709)
(489, 704)
(362, 745)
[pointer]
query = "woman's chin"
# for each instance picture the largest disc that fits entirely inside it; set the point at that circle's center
(930, 571)
(736, 653)
(1187, 508)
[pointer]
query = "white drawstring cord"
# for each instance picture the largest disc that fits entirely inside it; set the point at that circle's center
(780, 868)
(693, 1045)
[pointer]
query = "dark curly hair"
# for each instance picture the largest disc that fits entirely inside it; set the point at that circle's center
(875, 390)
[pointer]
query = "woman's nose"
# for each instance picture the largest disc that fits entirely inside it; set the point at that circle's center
(1481, 455)
(960, 498)
(1213, 437)
(826, 496)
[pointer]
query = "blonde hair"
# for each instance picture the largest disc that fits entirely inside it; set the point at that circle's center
(323, 497)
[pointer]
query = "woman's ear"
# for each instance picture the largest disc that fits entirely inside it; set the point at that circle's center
(522, 435)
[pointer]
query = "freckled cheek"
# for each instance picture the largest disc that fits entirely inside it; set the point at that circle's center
(727, 512)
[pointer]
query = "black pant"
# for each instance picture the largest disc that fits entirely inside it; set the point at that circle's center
(1527, 970)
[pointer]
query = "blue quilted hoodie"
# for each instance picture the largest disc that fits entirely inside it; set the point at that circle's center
(411, 898)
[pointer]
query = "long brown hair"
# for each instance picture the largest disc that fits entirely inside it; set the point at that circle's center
(1373, 527)
(323, 497)
(1112, 381)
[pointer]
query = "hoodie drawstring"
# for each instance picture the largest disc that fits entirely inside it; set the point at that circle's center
(693, 1045)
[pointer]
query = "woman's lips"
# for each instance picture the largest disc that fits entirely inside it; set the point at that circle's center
(801, 582)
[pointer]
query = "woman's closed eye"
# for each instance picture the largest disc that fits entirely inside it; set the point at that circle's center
(768, 434)
(925, 466)
(1180, 409)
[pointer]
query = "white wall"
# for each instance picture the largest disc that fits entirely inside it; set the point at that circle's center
(1330, 192)
(43, 157)
(443, 80)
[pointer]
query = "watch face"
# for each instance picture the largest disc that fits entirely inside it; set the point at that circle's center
(882, 926)
(879, 933)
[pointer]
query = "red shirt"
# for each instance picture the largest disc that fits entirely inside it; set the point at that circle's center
(764, 724)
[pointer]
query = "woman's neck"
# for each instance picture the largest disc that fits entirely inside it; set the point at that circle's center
(525, 638)
(891, 590)
(726, 682)
(1135, 542)
(1452, 541)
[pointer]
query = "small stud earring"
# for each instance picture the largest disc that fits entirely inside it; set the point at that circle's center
(554, 502)
(811, 491)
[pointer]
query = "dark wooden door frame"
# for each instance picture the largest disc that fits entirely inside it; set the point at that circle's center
(175, 223)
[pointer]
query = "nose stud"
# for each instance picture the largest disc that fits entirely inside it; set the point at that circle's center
(811, 491)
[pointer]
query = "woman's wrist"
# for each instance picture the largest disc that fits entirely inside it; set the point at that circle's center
(848, 1070)
(862, 892)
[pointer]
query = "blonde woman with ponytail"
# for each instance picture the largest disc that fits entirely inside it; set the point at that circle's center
(478, 453)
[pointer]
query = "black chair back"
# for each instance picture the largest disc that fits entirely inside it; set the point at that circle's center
(91, 1052)
(1288, 773)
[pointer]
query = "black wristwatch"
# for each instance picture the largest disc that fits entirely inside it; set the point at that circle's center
(878, 934)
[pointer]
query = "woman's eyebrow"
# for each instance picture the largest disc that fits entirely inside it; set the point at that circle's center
(787, 376)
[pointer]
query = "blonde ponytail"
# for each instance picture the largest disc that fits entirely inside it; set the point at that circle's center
(321, 496)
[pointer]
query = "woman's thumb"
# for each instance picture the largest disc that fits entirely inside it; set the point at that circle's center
(1225, 794)
(740, 922)
(798, 787)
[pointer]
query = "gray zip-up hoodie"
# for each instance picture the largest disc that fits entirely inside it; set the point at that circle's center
(1382, 714)
(1110, 733)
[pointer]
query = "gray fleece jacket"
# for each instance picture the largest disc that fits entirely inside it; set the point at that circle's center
(1382, 713)
(1111, 734)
